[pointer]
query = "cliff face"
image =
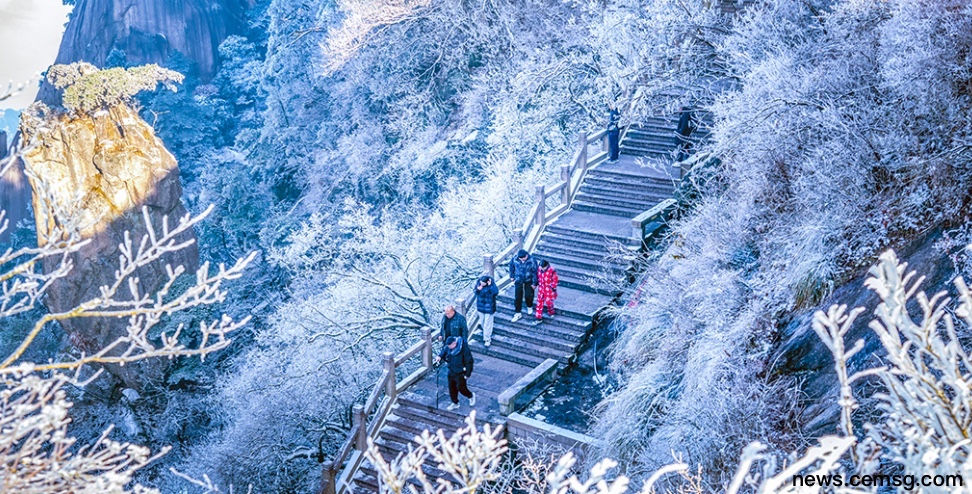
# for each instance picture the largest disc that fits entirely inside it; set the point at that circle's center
(102, 169)
(148, 31)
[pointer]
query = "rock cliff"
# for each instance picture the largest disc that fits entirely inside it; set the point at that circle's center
(102, 169)
(148, 31)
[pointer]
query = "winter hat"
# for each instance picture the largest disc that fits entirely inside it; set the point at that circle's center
(483, 279)
(521, 253)
(450, 340)
(544, 263)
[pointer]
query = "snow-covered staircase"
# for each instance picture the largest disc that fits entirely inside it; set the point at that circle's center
(590, 246)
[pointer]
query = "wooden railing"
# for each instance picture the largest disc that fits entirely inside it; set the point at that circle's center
(338, 476)
(339, 471)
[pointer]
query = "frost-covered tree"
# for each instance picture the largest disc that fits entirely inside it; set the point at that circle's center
(87, 88)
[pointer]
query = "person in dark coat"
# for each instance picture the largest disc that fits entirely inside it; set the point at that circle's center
(459, 360)
(685, 127)
(453, 324)
(523, 272)
(486, 293)
(614, 133)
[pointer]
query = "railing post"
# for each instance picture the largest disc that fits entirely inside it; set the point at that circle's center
(637, 230)
(582, 157)
(329, 479)
(489, 268)
(542, 210)
(460, 305)
(565, 176)
(427, 349)
(391, 386)
(518, 239)
(361, 428)
(605, 145)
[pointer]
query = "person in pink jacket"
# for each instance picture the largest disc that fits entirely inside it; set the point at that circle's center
(546, 289)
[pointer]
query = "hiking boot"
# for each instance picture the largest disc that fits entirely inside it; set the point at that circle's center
(472, 400)
(486, 343)
(454, 406)
(529, 311)
(516, 317)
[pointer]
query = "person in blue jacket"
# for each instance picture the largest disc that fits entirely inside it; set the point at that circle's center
(459, 360)
(486, 293)
(523, 272)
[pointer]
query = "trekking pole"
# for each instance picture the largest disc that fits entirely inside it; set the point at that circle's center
(437, 375)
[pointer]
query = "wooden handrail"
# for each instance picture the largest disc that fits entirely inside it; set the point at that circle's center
(531, 219)
(376, 393)
(382, 397)
(596, 136)
(407, 354)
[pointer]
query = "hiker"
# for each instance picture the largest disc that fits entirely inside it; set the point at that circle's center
(453, 324)
(614, 133)
(523, 272)
(486, 293)
(686, 125)
(460, 362)
(546, 289)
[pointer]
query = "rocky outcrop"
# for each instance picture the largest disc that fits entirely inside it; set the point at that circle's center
(801, 354)
(101, 169)
(148, 31)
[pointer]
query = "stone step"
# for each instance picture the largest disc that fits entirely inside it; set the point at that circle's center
(521, 345)
(366, 481)
(596, 240)
(640, 153)
(554, 343)
(572, 318)
(587, 285)
(402, 438)
(605, 209)
(641, 194)
(624, 203)
(439, 418)
(635, 179)
(591, 244)
(651, 140)
(564, 328)
(595, 275)
(514, 355)
(367, 477)
(590, 265)
(572, 252)
(652, 132)
(621, 185)
(660, 150)
(409, 425)
(656, 121)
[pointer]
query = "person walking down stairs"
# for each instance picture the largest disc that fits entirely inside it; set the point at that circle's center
(523, 272)
(453, 324)
(546, 289)
(459, 360)
(486, 293)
